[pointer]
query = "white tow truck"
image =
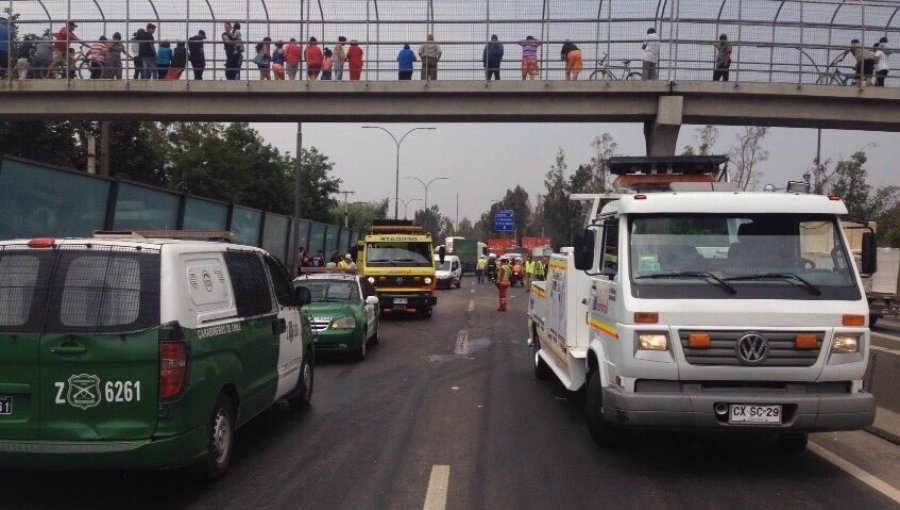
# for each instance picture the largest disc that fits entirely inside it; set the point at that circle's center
(686, 304)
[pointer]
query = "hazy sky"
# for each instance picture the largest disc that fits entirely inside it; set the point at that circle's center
(484, 160)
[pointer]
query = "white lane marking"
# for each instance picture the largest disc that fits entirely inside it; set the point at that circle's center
(886, 336)
(461, 340)
(436, 497)
(857, 472)
(471, 305)
(884, 349)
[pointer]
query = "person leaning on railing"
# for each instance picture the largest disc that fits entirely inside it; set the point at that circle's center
(723, 58)
(865, 61)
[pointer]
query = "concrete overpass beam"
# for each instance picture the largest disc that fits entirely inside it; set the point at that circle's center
(661, 134)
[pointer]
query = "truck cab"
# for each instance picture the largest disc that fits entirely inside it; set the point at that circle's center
(688, 304)
(397, 258)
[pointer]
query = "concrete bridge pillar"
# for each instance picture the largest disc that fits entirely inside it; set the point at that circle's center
(661, 134)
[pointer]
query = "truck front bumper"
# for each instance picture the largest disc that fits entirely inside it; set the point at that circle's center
(801, 412)
(416, 301)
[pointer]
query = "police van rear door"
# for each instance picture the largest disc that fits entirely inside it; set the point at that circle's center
(99, 354)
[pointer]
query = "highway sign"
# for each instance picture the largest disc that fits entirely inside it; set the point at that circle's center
(505, 221)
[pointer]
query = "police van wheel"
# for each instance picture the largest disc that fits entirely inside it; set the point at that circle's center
(219, 438)
(302, 396)
(793, 442)
(604, 434)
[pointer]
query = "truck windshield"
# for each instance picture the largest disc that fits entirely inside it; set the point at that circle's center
(399, 254)
(740, 256)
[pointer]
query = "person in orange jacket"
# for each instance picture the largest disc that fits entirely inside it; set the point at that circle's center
(355, 60)
(503, 274)
(313, 55)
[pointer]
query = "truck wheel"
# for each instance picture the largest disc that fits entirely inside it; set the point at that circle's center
(872, 320)
(219, 438)
(302, 395)
(604, 434)
(793, 442)
(426, 311)
(541, 370)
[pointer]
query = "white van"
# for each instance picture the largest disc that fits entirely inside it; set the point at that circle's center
(449, 272)
(124, 352)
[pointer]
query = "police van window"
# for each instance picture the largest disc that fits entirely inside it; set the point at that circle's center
(104, 289)
(280, 281)
(18, 277)
(250, 284)
(611, 247)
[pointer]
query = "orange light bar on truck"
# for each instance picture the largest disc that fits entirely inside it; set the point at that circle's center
(646, 318)
(41, 242)
(699, 341)
(806, 342)
(853, 320)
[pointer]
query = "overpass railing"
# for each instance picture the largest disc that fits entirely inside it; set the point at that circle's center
(774, 41)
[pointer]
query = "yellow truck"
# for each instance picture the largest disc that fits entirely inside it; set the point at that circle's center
(398, 259)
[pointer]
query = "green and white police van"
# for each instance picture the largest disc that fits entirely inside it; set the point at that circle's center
(124, 352)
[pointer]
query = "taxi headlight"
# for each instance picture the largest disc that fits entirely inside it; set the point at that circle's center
(653, 341)
(427, 281)
(845, 344)
(344, 323)
(372, 280)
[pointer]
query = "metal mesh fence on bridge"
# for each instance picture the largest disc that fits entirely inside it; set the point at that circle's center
(788, 41)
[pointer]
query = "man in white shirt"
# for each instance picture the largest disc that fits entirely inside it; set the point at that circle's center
(882, 66)
(651, 55)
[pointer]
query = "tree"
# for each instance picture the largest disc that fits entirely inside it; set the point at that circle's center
(706, 138)
(747, 155)
(431, 220)
(54, 143)
(605, 148)
(467, 229)
(360, 215)
(557, 206)
(863, 202)
(516, 200)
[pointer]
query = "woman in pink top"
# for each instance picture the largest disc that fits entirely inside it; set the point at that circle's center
(313, 56)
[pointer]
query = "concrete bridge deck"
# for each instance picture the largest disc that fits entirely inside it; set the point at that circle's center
(661, 106)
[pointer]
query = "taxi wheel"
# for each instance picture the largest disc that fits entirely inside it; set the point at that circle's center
(219, 438)
(604, 434)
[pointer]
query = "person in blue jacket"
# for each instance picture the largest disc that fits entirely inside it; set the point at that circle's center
(405, 60)
(491, 58)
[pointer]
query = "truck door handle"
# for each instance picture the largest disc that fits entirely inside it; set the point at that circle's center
(279, 326)
(68, 349)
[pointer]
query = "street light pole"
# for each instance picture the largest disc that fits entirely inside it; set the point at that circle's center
(397, 171)
(346, 207)
(406, 204)
(426, 186)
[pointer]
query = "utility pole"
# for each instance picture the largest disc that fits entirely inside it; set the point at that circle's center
(295, 232)
(457, 213)
(346, 207)
(104, 148)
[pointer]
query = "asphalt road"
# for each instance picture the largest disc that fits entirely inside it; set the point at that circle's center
(429, 395)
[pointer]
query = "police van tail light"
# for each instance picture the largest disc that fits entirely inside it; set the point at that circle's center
(173, 362)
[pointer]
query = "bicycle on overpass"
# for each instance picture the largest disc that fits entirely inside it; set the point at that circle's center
(604, 72)
(832, 75)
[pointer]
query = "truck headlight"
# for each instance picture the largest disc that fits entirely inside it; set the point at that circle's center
(427, 281)
(372, 280)
(653, 341)
(845, 344)
(344, 323)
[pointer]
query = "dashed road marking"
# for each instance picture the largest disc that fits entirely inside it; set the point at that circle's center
(461, 339)
(436, 497)
(884, 349)
(856, 472)
(471, 305)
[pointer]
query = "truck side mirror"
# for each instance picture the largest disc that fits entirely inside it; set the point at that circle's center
(869, 254)
(302, 296)
(442, 252)
(584, 250)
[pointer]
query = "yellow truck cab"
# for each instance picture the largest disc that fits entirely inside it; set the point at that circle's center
(396, 257)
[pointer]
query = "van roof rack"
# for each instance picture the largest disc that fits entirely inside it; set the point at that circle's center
(685, 165)
(184, 234)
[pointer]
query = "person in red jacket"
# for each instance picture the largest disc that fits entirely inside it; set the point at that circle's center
(355, 60)
(313, 54)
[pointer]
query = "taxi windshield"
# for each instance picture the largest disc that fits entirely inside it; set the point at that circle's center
(323, 291)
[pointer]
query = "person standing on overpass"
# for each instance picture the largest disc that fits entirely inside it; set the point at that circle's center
(651, 55)
(865, 61)
(571, 55)
(355, 60)
(530, 68)
(4, 47)
(405, 60)
(430, 53)
(503, 275)
(491, 58)
(197, 54)
(723, 58)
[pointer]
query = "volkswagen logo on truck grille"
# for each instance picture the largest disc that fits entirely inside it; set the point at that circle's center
(752, 349)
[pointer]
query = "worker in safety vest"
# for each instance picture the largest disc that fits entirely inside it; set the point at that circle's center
(529, 273)
(503, 274)
(347, 263)
(540, 270)
(480, 268)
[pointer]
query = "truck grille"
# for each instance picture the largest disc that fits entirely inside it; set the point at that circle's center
(723, 349)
